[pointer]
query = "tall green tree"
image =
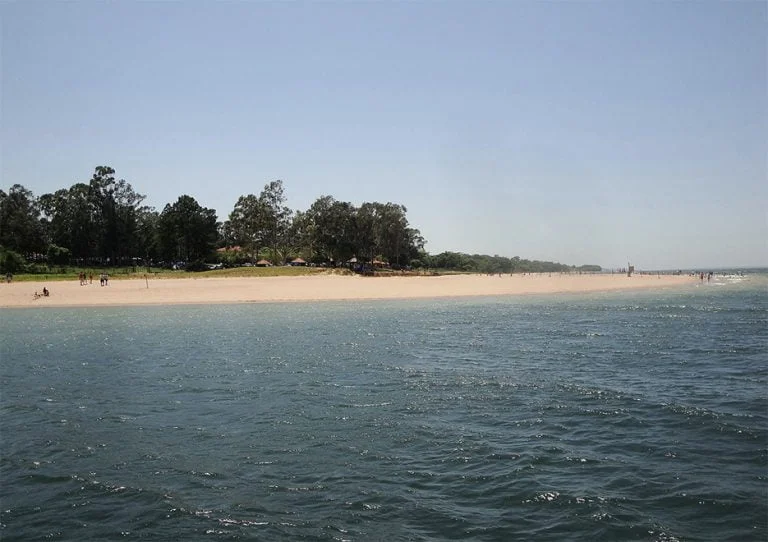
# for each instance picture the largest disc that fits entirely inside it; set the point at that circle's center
(187, 231)
(278, 217)
(20, 226)
(71, 221)
(147, 228)
(298, 238)
(312, 219)
(367, 226)
(226, 235)
(249, 223)
(333, 229)
(383, 231)
(115, 207)
(393, 239)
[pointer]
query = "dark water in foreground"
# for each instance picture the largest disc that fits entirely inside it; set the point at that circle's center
(623, 416)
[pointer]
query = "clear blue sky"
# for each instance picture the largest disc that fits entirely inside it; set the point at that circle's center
(575, 132)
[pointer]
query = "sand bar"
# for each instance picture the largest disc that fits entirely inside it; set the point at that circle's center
(315, 288)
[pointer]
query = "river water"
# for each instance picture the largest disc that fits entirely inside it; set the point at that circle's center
(613, 416)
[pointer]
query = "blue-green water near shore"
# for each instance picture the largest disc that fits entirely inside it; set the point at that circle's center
(614, 416)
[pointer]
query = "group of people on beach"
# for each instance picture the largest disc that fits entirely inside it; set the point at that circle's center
(86, 279)
(45, 293)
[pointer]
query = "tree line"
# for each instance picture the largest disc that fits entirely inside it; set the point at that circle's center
(483, 263)
(104, 222)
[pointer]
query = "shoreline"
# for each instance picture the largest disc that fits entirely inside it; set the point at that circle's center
(202, 291)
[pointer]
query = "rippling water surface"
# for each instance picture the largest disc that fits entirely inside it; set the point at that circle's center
(621, 416)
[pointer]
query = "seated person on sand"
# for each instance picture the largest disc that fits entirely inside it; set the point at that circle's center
(45, 293)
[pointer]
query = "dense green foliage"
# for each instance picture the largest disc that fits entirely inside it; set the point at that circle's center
(186, 231)
(102, 223)
(482, 263)
(589, 268)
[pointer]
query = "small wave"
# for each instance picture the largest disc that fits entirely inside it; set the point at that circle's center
(296, 489)
(243, 522)
(719, 421)
(547, 496)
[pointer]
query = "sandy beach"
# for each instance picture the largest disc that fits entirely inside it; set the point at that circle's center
(315, 288)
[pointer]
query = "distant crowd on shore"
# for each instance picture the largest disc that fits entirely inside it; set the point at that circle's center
(86, 279)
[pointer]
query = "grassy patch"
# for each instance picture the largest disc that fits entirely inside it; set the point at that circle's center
(128, 273)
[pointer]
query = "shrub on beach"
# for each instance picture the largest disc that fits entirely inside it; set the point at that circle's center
(11, 262)
(197, 265)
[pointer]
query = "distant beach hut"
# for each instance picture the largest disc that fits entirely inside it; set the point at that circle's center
(298, 261)
(263, 263)
(352, 260)
(379, 263)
